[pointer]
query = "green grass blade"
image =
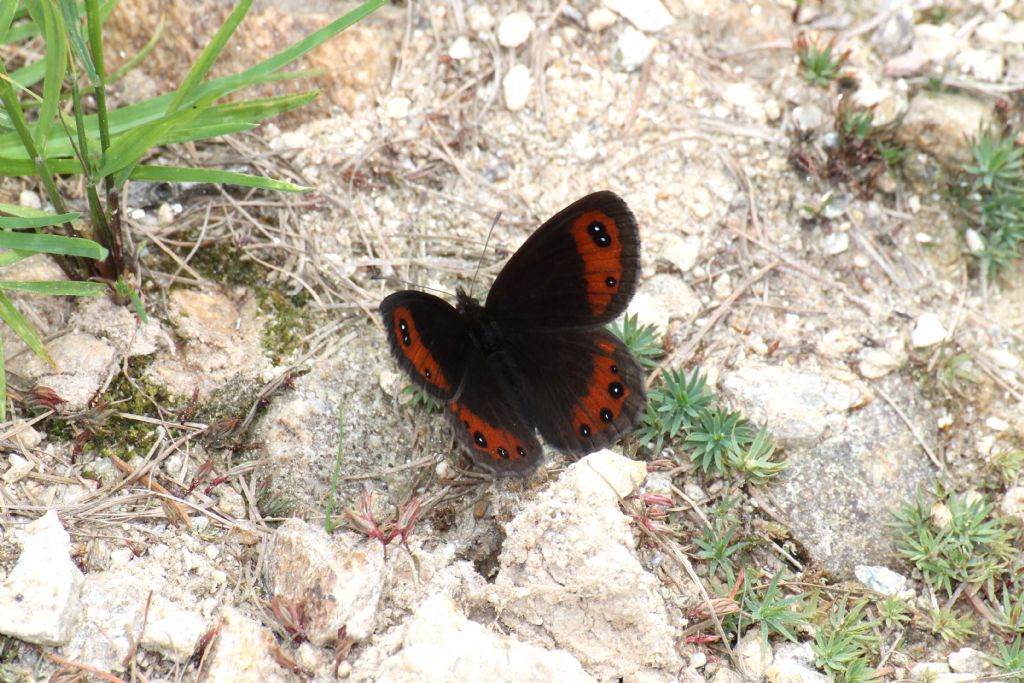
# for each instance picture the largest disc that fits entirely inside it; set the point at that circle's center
(23, 328)
(3, 384)
(12, 256)
(174, 174)
(329, 523)
(60, 287)
(9, 223)
(30, 74)
(126, 150)
(209, 56)
(43, 12)
(21, 32)
(52, 244)
(126, 291)
(252, 111)
(127, 121)
(69, 13)
(24, 167)
(314, 40)
(7, 9)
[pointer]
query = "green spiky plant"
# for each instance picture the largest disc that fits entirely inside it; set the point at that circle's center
(819, 61)
(974, 547)
(682, 409)
(642, 340)
(991, 195)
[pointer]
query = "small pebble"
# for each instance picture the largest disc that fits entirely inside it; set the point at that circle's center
(975, 244)
(632, 49)
(997, 424)
(928, 331)
(515, 29)
(479, 18)
(600, 18)
(516, 87)
(646, 15)
(30, 200)
(397, 107)
(19, 468)
(808, 117)
(460, 49)
(836, 243)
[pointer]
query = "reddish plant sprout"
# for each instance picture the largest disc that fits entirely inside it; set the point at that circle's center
(654, 508)
(202, 472)
(290, 614)
(660, 465)
(407, 516)
(720, 606)
(362, 520)
(217, 481)
(81, 438)
(189, 411)
(205, 641)
(218, 431)
(43, 397)
(342, 647)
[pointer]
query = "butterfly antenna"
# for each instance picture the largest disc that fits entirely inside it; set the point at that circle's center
(497, 217)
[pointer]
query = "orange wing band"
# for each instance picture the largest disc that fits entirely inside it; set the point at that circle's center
(599, 244)
(412, 346)
(497, 444)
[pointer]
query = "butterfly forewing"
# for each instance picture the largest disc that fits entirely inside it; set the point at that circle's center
(578, 269)
(586, 389)
(428, 337)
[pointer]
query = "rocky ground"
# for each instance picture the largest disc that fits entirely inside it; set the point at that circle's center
(165, 521)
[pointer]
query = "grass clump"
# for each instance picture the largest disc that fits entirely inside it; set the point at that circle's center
(991, 196)
(682, 409)
(642, 340)
(953, 626)
(845, 642)
(1010, 660)
(819, 62)
(970, 546)
(773, 611)
(718, 549)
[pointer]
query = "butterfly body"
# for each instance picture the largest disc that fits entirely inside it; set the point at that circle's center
(535, 356)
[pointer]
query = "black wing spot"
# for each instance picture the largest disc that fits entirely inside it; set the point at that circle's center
(599, 234)
(478, 437)
(521, 451)
(615, 390)
(585, 430)
(610, 281)
(606, 415)
(502, 453)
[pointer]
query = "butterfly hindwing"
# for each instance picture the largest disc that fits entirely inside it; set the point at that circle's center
(428, 337)
(489, 421)
(580, 268)
(586, 389)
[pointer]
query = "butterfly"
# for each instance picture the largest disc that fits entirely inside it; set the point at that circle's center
(535, 356)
